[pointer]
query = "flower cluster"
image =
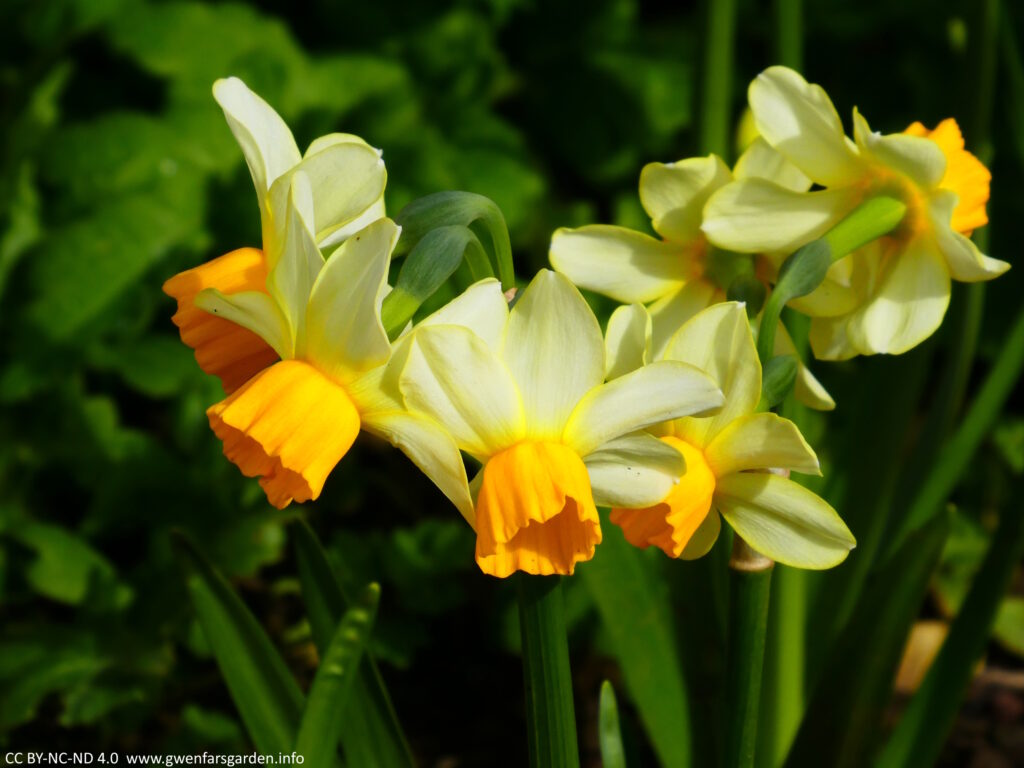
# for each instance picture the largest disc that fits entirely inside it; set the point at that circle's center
(660, 417)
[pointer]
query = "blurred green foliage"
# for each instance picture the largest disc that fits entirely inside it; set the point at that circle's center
(117, 170)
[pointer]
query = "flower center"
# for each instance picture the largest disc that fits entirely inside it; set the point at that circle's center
(535, 511)
(671, 523)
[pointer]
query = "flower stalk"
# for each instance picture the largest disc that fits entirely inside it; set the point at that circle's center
(550, 715)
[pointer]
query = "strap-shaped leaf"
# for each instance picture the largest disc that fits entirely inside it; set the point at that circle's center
(330, 692)
(267, 697)
(370, 731)
(608, 731)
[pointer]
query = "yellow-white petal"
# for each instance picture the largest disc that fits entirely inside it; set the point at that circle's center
(254, 310)
(760, 441)
(430, 447)
(633, 471)
(704, 537)
(452, 375)
(916, 157)
(807, 389)
(265, 139)
(830, 340)
(908, 305)
(482, 308)
(343, 330)
(761, 161)
(783, 520)
(653, 394)
(554, 351)
(965, 261)
(673, 194)
(296, 266)
(844, 287)
(718, 341)
(798, 119)
(628, 266)
(755, 216)
(347, 179)
(627, 340)
(670, 312)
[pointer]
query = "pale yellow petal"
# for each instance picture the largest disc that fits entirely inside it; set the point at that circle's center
(760, 441)
(673, 194)
(627, 340)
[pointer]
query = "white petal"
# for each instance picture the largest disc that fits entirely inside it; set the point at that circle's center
(674, 194)
(703, 538)
(430, 447)
(453, 376)
(755, 216)
(670, 312)
(654, 394)
(919, 158)
(298, 263)
(807, 389)
(633, 471)
(760, 441)
(265, 139)
(554, 350)
(348, 181)
(627, 266)
(254, 310)
(798, 119)
(343, 329)
(830, 340)
(718, 341)
(908, 305)
(482, 308)
(761, 161)
(783, 520)
(965, 261)
(627, 340)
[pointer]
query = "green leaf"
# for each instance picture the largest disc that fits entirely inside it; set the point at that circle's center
(267, 697)
(924, 726)
(636, 614)
(321, 728)
(157, 366)
(609, 734)
(370, 731)
(777, 382)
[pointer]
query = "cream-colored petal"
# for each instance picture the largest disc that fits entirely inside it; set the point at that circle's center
(633, 471)
(916, 157)
(830, 340)
(482, 308)
(966, 263)
(452, 375)
(761, 161)
(670, 312)
(755, 216)
(627, 340)
(704, 537)
(254, 310)
(265, 139)
(554, 351)
(908, 305)
(798, 119)
(627, 266)
(843, 289)
(783, 520)
(430, 447)
(673, 194)
(298, 263)
(807, 389)
(653, 394)
(718, 341)
(343, 330)
(760, 441)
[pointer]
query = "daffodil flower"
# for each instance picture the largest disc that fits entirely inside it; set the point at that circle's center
(733, 458)
(675, 274)
(891, 295)
(346, 179)
(523, 395)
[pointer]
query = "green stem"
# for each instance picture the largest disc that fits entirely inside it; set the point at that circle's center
(750, 575)
(789, 27)
(717, 86)
(550, 716)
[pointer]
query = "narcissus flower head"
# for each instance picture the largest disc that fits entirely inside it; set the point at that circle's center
(892, 294)
(522, 393)
(681, 273)
(733, 458)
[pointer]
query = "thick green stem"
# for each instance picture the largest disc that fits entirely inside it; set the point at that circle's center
(750, 578)
(789, 29)
(716, 98)
(550, 715)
